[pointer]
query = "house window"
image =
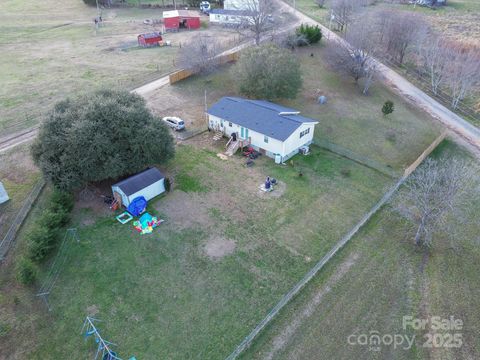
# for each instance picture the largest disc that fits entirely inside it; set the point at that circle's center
(265, 139)
(304, 132)
(230, 124)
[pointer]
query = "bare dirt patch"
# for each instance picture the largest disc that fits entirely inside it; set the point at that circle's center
(91, 198)
(217, 247)
(184, 210)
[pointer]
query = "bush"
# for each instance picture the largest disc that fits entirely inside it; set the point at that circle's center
(61, 200)
(75, 145)
(313, 34)
(345, 172)
(54, 218)
(388, 108)
(268, 72)
(41, 240)
(26, 272)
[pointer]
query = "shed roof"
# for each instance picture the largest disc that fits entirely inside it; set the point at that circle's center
(264, 117)
(150, 35)
(140, 181)
(180, 13)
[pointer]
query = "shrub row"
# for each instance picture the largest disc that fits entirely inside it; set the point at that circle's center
(45, 234)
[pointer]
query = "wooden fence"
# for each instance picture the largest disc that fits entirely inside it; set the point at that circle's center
(425, 153)
(185, 73)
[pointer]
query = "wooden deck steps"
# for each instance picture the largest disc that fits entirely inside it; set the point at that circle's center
(232, 148)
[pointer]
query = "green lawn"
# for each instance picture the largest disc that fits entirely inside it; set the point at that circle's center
(349, 119)
(376, 280)
(18, 175)
(178, 293)
(51, 50)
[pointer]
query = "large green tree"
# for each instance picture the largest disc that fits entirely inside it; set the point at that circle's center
(268, 72)
(103, 135)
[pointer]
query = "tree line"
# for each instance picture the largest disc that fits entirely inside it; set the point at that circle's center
(402, 38)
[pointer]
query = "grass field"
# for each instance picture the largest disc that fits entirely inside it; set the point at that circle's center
(50, 51)
(224, 256)
(349, 119)
(377, 279)
(18, 175)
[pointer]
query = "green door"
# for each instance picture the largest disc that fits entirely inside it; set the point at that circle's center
(244, 133)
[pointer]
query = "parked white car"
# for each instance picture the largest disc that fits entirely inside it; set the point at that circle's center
(174, 122)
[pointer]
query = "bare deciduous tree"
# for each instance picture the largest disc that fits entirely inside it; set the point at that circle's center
(258, 20)
(435, 197)
(200, 54)
(463, 72)
(433, 52)
(399, 32)
(343, 11)
(356, 56)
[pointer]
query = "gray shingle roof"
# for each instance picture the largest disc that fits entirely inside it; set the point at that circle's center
(262, 116)
(231, 12)
(140, 181)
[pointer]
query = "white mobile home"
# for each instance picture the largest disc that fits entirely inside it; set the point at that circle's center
(229, 17)
(149, 183)
(276, 131)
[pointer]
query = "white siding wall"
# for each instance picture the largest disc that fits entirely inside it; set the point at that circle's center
(272, 147)
(294, 142)
(286, 148)
(225, 19)
(148, 193)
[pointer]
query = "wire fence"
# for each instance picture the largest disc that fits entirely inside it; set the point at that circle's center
(57, 265)
(9, 238)
(363, 160)
(248, 340)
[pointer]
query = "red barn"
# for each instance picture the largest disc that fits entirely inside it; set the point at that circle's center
(181, 19)
(151, 39)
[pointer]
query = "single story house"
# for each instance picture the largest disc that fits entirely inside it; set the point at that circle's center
(181, 19)
(148, 183)
(229, 17)
(274, 130)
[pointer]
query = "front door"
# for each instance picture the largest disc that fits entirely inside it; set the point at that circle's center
(244, 133)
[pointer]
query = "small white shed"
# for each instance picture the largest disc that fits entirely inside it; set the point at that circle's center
(149, 183)
(3, 194)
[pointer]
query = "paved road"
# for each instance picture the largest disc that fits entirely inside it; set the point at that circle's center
(406, 89)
